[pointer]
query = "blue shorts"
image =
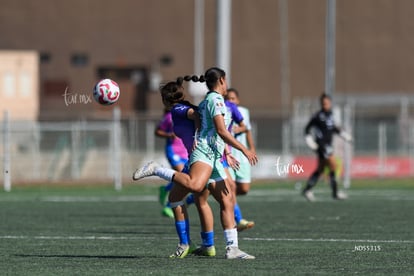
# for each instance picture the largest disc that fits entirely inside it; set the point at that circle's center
(173, 158)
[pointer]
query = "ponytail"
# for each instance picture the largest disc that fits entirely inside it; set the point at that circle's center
(172, 91)
(193, 78)
(210, 77)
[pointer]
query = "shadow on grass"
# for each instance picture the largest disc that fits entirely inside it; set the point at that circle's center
(78, 256)
(126, 232)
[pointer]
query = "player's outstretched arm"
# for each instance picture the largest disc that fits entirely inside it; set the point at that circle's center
(229, 139)
(240, 128)
(346, 136)
(231, 160)
(194, 116)
(250, 141)
(310, 142)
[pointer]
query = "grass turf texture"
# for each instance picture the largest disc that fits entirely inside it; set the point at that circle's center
(95, 230)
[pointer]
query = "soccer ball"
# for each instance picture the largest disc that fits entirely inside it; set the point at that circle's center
(106, 92)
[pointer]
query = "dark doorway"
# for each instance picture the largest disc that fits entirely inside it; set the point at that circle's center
(134, 84)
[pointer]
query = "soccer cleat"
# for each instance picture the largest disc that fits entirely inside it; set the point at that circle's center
(193, 248)
(233, 252)
(244, 225)
(163, 195)
(145, 171)
(167, 212)
(341, 196)
(209, 251)
(309, 195)
(181, 251)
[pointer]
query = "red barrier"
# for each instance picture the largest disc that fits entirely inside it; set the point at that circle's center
(361, 167)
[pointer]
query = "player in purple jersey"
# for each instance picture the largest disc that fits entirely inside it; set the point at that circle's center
(185, 122)
(176, 155)
(184, 127)
(175, 150)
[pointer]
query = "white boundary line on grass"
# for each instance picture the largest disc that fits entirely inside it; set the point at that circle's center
(12, 237)
(264, 195)
(326, 240)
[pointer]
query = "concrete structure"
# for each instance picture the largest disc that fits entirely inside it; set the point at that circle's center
(19, 87)
(80, 41)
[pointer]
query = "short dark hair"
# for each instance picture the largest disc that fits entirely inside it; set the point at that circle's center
(323, 97)
(234, 90)
(231, 89)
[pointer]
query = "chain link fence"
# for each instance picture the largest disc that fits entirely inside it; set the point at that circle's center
(110, 150)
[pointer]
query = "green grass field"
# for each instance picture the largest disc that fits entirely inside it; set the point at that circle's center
(97, 231)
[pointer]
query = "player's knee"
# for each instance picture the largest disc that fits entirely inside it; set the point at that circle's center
(243, 189)
(227, 201)
(197, 186)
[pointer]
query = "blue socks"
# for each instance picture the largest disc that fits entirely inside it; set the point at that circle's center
(237, 214)
(187, 229)
(181, 227)
(207, 238)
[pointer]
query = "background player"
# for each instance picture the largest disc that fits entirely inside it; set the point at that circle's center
(324, 128)
(242, 175)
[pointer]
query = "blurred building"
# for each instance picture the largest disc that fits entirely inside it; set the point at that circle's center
(80, 41)
(19, 76)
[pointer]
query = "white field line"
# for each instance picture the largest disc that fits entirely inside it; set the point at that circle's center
(147, 198)
(326, 240)
(264, 195)
(373, 192)
(23, 237)
(136, 198)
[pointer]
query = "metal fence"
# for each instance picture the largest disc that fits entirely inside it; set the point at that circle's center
(102, 151)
